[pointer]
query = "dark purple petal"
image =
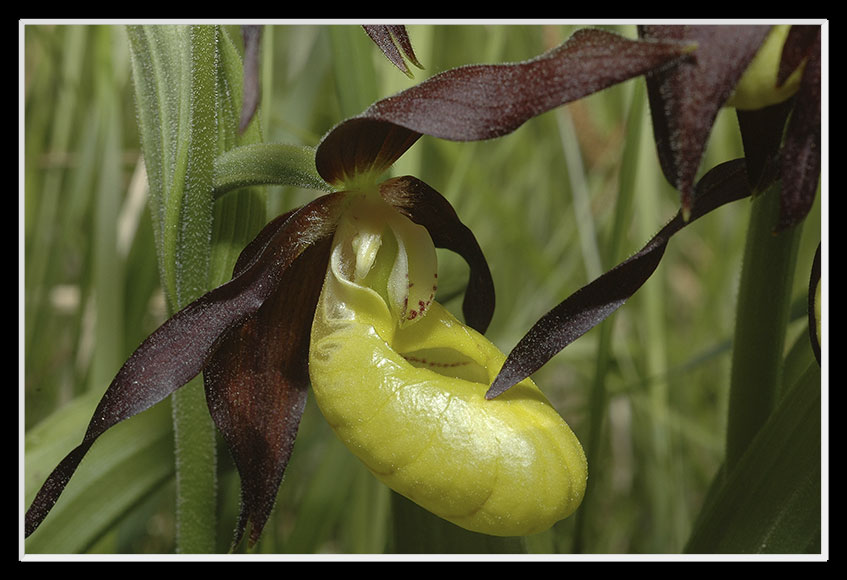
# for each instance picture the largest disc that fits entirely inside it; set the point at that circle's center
(250, 99)
(592, 303)
(800, 164)
(425, 206)
(393, 41)
(256, 384)
(761, 134)
(685, 99)
(180, 349)
(479, 102)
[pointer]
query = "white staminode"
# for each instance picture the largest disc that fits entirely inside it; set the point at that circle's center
(371, 226)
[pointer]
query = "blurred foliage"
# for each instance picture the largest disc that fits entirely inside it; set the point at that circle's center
(92, 291)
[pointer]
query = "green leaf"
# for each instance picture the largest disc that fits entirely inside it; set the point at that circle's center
(174, 72)
(771, 502)
(120, 471)
(353, 68)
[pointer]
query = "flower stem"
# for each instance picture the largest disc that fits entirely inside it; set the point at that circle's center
(196, 490)
(764, 298)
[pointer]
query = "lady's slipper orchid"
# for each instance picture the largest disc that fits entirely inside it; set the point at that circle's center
(402, 383)
(341, 291)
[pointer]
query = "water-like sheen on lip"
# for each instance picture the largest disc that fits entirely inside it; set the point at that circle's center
(406, 393)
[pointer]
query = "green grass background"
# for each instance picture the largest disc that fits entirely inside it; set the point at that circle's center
(542, 202)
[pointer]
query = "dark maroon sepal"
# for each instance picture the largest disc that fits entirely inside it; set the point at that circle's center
(593, 303)
(425, 206)
(359, 146)
(685, 99)
(478, 102)
(256, 385)
(800, 162)
(185, 344)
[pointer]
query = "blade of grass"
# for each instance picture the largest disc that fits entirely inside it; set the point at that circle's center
(44, 196)
(353, 67)
(120, 471)
(651, 304)
(579, 191)
(629, 184)
(771, 501)
(109, 276)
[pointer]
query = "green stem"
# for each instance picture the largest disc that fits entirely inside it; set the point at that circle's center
(196, 477)
(266, 164)
(764, 299)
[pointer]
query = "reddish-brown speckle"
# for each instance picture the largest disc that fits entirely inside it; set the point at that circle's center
(430, 363)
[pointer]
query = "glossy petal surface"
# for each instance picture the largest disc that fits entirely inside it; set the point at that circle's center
(409, 402)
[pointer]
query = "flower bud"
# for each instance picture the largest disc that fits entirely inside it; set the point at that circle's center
(758, 87)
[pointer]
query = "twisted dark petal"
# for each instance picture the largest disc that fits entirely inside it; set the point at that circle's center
(800, 163)
(250, 99)
(685, 99)
(256, 384)
(181, 348)
(425, 206)
(761, 135)
(391, 40)
(485, 101)
(592, 303)
(814, 281)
